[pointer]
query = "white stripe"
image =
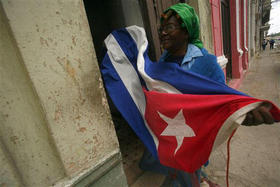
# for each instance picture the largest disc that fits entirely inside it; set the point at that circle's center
(131, 80)
(232, 123)
(139, 36)
(129, 77)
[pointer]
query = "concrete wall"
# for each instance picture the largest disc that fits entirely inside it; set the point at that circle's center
(252, 27)
(55, 127)
(26, 146)
(203, 9)
(258, 25)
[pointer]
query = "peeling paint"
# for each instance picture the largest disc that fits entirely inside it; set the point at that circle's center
(44, 42)
(71, 165)
(70, 70)
(82, 129)
(14, 139)
(79, 62)
(64, 73)
(88, 141)
(67, 22)
(58, 113)
(74, 40)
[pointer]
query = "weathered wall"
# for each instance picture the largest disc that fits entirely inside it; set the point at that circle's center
(206, 25)
(55, 120)
(253, 27)
(9, 175)
(258, 11)
(23, 131)
(203, 9)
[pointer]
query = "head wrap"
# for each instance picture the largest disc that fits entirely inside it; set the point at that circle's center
(190, 21)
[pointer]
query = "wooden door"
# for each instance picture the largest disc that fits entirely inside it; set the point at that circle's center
(225, 9)
(151, 12)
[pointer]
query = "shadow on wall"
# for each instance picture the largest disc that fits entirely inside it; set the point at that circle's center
(103, 18)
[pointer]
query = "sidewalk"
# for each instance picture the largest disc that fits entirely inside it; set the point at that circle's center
(255, 151)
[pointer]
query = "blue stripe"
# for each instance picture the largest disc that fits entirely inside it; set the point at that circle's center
(125, 104)
(127, 44)
(185, 81)
(129, 47)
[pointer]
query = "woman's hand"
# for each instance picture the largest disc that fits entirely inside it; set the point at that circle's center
(259, 115)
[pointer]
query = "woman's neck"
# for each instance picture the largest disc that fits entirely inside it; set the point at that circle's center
(179, 52)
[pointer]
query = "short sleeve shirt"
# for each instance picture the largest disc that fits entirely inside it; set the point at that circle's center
(189, 58)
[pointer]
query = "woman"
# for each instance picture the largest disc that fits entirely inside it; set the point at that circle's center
(264, 43)
(179, 36)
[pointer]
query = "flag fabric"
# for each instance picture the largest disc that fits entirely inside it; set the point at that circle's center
(180, 116)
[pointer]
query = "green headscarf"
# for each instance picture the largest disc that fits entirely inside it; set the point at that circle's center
(190, 21)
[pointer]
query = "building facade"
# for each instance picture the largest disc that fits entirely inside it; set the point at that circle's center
(55, 124)
(56, 128)
(238, 26)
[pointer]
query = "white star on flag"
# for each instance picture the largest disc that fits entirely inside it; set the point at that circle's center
(177, 127)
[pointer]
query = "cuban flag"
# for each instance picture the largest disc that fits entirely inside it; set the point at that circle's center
(180, 116)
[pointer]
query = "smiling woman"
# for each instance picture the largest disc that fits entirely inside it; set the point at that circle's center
(179, 36)
(173, 37)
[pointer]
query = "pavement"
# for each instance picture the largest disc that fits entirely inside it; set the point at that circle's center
(254, 151)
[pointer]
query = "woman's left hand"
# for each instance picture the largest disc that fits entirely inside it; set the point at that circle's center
(259, 115)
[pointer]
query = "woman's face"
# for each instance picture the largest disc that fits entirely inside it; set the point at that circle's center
(173, 38)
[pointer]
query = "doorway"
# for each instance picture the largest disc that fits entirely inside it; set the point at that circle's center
(151, 13)
(103, 18)
(225, 10)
